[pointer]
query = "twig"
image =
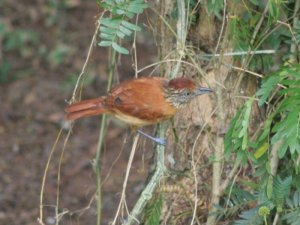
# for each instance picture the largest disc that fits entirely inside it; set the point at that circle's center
(181, 35)
(222, 28)
(250, 72)
(194, 168)
(246, 61)
(101, 138)
(58, 215)
(87, 58)
(152, 184)
(276, 219)
(123, 195)
(230, 176)
(258, 25)
(274, 159)
(257, 52)
(134, 50)
(40, 219)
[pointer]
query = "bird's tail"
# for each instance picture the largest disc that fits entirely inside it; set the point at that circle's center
(86, 108)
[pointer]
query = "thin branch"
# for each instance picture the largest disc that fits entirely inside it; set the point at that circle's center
(101, 137)
(230, 176)
(181, 35)
(40, 219)
(257, 52)
(134, 50)
(87, 58)
(194, 167)
(58, 216)
(129, 165)
(152, 184)
(222, 27)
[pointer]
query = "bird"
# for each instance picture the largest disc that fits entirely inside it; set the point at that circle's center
(141, 101)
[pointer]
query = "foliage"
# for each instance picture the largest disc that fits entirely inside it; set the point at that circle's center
(249, 217)
(235, 199)
(215, 7)
(288, 109)
(237, 136)
(281, 191)
(293, 215)
(117, 27)
(279, 97)
(153, 211)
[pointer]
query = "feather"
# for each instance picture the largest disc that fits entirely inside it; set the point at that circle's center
(181, 83)
(91, 107)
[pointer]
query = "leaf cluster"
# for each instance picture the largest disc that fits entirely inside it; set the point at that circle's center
(117, 27)
(292, 216)
(261, 205)
(236, 139)
(287, 110)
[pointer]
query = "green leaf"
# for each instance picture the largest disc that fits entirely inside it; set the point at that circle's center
(120, 49)
(131, 26)
(120, 34)
(230, 138)
(249, 217)
(274, 8)
(281, 190)
(125, 30)
(245, 123)
(107, 36)
(107, 30)
(112, 23)
(105, 43)
(130, 15)
(267, 87)
(136, 8)
(120, 11)
(153, 211)
(261, 150)
(254, 2)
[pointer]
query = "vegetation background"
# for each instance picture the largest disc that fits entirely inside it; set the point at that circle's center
(232, 157)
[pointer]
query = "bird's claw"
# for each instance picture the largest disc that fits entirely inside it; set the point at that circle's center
(157, 140)
(160, 141)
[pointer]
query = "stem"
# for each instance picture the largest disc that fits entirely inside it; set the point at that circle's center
(181, 36)
(40, 219)
(122, 202)
(152, 184)
(100, 140)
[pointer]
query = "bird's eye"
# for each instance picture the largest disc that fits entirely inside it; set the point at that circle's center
(188, 93)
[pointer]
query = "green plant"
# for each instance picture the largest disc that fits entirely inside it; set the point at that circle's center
(287, 111)
(236, 138)
(117, 27)
(292, 216)
(271, 150)
(153, 210)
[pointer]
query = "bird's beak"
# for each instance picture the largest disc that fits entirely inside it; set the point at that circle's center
(203, 90)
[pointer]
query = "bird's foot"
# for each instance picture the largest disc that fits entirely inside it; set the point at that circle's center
(157, 140)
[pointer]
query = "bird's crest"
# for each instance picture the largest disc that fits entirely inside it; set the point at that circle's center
(181, 83)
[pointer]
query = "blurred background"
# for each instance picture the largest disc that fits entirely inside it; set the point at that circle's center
(43, 46)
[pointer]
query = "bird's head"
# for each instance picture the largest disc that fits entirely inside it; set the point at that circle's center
(180, 91)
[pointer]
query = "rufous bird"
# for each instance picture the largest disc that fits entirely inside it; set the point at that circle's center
(140, 102)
